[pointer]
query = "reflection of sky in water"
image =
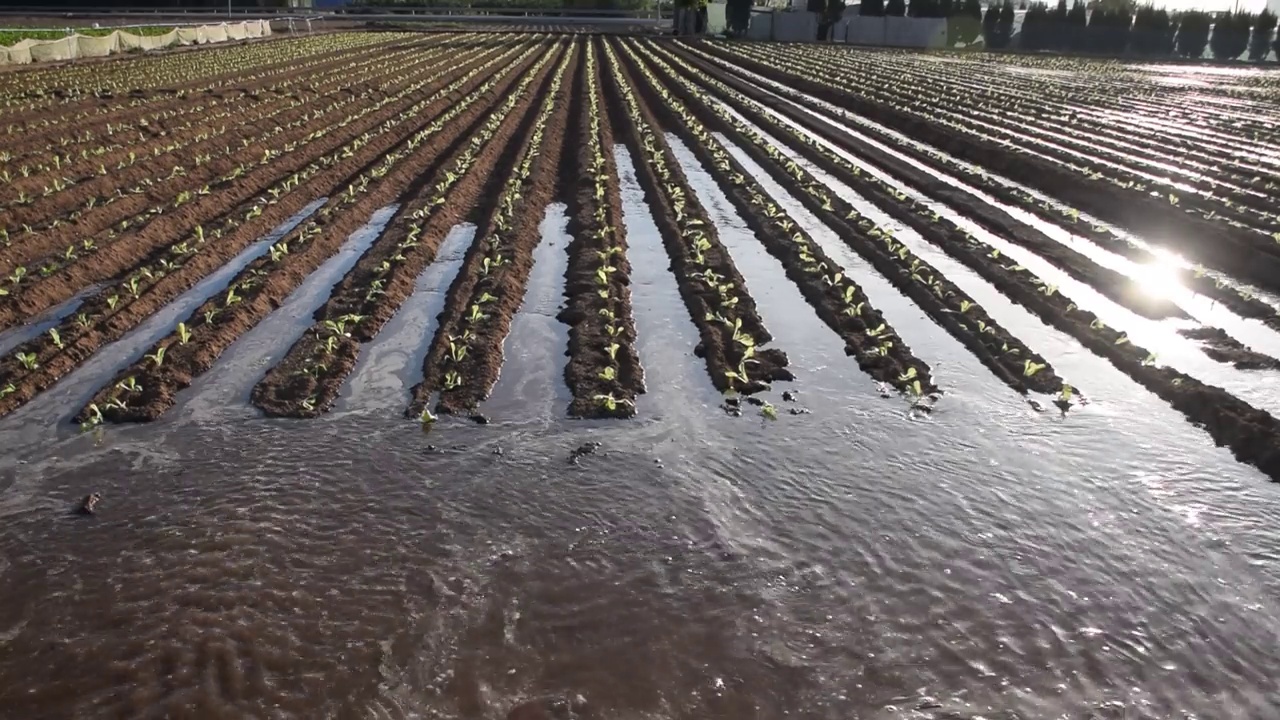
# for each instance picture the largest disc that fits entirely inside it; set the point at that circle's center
(1160, 278)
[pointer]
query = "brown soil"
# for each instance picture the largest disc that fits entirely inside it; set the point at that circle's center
(484, 361)
(588, 338)
(828, 300)
(113, 323)
(717, 347)
(103, 102)
(102, 224)
(1002, 352)
(1245, 306)
(1220, 346)
(328, 230)
(285, 388)
(147, 241)
(175, 137)
(1110, 283)
(1242, 252)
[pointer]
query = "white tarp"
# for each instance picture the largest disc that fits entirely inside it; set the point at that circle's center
(79, 46)
(716, 22)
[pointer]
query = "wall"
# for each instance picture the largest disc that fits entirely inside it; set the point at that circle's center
(891, 31)
(784, 26)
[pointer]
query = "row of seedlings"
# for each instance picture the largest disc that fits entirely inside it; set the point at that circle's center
(466, 355)
(603, 372)
(95, 137)
(129, 96)
(959, 314)
(307, 380)
(120, 306)
(1252, 434)
(135, 240)
(732, 332)
(1249, 253)
(837, 299)
(148, 387)
(802, 131)
(945, 233)
(88, 183)
(1238, 299)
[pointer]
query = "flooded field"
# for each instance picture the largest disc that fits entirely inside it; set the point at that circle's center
(564, 376)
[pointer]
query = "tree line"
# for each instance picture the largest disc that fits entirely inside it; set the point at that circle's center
(1117, 29)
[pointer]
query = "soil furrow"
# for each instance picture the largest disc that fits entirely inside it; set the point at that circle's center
(306, 382)
(604, 382)
(1110, 283)
(1237, 301)
(143, 244)
(154, 187)
(838, 301)
(112, 312)
(1003, 353)
(732, 332)
(259, 289)
(37, 124)
(170, 138)
(491, 281)
(1243, 252)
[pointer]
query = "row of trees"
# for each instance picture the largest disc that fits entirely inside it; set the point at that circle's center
(1114, 29)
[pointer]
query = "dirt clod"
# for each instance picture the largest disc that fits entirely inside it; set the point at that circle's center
(88, 504)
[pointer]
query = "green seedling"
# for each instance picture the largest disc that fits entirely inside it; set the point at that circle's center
(129, 384)
(452, 380)
(908, 376)
(7, 390)
(28, 360)
(184, 333)
(457, 349)
(1030, 368)
(609, 373)
(56, 337)
(610, 403)
(768, 411)
(92, 418)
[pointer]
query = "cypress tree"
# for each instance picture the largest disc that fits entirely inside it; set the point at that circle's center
(1230, 35)
(1077, 20)
(738, 16)
(989, 21)
(1193, 34)
(1263, 30)
(1005, 24)
(1036, 27)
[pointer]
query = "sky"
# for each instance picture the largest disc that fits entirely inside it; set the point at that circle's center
(1215, 5)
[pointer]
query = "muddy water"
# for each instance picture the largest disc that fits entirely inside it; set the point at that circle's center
(850, 563)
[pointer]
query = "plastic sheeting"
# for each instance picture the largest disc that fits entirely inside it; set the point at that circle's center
(84, 46)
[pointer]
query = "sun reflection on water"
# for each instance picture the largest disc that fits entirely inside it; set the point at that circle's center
(1162, 277)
